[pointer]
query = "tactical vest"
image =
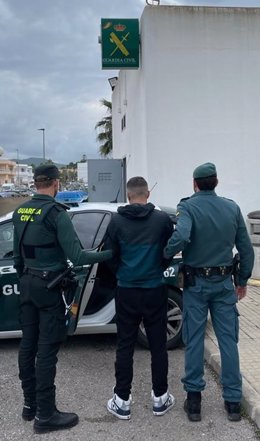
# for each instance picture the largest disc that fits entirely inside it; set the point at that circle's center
(35, 225)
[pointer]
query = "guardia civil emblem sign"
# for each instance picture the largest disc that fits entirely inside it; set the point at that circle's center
(120, 43)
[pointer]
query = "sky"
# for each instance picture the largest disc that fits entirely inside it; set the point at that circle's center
(51, 75)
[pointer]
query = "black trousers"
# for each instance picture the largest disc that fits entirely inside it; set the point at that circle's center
(132, 306)
(43, 324)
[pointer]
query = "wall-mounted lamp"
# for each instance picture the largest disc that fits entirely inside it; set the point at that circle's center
(153, 2)
(113, 82)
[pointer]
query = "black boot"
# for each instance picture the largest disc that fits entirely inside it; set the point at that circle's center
(233, 410)
(192, 406)
(58, 421)
(29, 411)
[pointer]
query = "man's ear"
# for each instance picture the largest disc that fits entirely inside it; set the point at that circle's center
(148, 194)
(195, 187)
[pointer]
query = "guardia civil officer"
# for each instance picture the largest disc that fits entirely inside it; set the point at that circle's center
(208, 228)
(44, 238)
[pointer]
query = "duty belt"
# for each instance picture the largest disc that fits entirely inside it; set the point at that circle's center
(212, 271)
(47, 275)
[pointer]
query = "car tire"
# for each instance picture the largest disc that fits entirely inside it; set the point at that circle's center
(174, 326)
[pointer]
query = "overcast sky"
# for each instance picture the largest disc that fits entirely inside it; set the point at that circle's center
(51, 76)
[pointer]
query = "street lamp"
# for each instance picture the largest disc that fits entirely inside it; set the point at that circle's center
(18, 168)
(43, 143)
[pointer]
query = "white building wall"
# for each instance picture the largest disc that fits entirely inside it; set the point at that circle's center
(82, 171)
(129, 101)
(23, 174)
(196, 98)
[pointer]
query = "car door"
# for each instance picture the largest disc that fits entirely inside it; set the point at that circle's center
(90, 227)
(9, 287)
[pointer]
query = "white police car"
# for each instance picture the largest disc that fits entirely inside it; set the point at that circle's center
(94, 308)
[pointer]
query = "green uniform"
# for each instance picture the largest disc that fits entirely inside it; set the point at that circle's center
(207, 230)
(49, 238)
(44, 238)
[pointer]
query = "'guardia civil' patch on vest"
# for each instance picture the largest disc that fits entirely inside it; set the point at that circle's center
(35, 224)
(28, 213)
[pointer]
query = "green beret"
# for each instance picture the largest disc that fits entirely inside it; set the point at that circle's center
(46, 173)
(205, 170)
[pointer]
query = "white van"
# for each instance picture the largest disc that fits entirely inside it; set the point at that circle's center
(9, 186)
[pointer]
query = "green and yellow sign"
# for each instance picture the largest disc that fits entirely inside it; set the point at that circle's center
(120, 43)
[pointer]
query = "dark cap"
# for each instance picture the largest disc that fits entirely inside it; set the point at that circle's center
(46, 173)
(205, 171)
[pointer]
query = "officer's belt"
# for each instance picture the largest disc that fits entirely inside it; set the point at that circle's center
(46, 275)
(211, 271)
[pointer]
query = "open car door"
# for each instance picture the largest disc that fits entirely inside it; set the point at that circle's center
(86, 278)
(90, 227)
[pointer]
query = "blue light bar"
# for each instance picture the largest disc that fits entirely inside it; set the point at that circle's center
(72, 196)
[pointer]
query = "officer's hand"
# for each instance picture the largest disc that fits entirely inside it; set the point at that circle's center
(241, 292)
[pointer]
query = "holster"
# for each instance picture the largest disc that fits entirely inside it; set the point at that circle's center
(236, 269)
(68, 286)
(67, 283)
(188, 275)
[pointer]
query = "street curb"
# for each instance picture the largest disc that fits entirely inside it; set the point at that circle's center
(250, 398)
(253, 282)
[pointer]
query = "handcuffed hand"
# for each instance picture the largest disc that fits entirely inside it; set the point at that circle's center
(241, 292)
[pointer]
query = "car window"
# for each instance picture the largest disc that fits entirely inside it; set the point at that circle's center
(6, 239)
(90, 227)
(102, 230)
(171, 213)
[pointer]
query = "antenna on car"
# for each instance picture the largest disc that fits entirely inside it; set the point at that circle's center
(153, 187)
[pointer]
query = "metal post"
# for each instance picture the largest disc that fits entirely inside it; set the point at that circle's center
(18, 170)
(43, 143)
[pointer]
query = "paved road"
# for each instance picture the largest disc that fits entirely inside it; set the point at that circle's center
(10, 204)
(84, 383)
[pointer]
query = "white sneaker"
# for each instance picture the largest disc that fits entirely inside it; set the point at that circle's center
(162, 404)
(119, 407)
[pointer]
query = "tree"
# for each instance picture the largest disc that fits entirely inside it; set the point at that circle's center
(47, 162)
(104, 127)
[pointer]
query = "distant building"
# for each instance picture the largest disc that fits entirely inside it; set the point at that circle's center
(7, 171)
(82, 172)
(23, 174)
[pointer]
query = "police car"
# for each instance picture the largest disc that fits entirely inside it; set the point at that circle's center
(93, 310)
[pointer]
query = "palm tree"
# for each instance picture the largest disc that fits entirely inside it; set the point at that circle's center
(104, 127)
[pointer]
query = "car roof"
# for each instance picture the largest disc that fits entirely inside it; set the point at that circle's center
(89, 206)
(107, 206)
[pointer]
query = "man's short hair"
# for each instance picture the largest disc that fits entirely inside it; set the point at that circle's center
(207, 184)
(43, 184)
(137, 186)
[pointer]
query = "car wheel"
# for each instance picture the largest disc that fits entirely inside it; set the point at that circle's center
(174, 325)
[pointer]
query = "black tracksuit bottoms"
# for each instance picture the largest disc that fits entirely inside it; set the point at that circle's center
(134, 305)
